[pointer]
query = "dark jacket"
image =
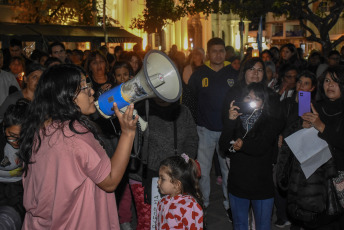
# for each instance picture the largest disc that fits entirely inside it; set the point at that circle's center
(308, 198)
(250, 172)
(209, 87)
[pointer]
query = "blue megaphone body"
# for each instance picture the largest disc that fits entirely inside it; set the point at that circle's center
(158, 78)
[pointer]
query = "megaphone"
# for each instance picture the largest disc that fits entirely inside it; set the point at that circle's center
(158, 77)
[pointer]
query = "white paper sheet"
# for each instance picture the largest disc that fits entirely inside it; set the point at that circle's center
(311, 151)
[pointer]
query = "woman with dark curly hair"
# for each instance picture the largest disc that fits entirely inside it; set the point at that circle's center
(67, 174)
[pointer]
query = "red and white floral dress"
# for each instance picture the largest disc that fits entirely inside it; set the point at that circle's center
(179, 212)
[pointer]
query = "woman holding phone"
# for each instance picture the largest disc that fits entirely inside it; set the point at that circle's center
(67, 175)
(306, 82)
(308, 198)
(248, 139)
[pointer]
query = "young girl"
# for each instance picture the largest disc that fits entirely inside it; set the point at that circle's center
(181, 208)
(12, 211)
(122, 72)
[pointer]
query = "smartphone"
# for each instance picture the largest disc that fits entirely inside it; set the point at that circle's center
(245, 107)
(304, 102)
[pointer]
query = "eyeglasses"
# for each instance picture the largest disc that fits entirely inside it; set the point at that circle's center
(87, 89)
(11, 138)
(254, 69)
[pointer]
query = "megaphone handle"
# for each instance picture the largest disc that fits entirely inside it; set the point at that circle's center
(142, 122)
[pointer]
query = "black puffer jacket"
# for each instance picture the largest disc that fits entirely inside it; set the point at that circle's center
(307, 198)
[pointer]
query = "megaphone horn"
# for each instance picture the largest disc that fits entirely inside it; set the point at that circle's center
(157, 78)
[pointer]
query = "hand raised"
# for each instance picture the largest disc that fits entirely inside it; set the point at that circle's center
(126, 119)
(233, 111)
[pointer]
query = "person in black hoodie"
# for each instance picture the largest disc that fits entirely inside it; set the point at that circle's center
(306, 81)
(249, 139)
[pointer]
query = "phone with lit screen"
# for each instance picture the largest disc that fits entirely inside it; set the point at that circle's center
(304, 102)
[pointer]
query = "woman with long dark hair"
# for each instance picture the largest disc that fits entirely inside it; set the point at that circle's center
(135, 61)
(289, 55)
(252, 70)
(67, 174)
(248, 139)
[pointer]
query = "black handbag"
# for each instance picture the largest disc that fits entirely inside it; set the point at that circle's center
(333, 206)
(339, 186)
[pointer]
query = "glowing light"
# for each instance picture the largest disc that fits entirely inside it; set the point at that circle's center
(255, 53)
(253, 104)
(20, 76)
(128, 46)
(87, 45)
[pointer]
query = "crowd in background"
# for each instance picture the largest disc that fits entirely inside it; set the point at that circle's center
(257, 171)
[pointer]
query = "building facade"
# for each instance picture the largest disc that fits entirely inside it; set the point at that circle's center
(187, 33)
(280, 30)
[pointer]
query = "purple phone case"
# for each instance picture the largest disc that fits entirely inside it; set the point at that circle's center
(304, 102)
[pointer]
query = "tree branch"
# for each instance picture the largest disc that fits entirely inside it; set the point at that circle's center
(334, 15)
(313, 36)
(338, 41)
(56, 10)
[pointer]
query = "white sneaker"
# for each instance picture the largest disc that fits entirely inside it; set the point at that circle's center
(282, 224)
(126, 226)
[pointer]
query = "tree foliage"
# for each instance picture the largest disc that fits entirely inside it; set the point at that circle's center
(323, 19)
(159, 13)
(53, 11)
(317, 22)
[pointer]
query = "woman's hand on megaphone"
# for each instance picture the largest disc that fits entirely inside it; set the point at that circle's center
(126, 119)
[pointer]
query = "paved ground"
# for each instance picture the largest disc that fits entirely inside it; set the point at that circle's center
(217, 218)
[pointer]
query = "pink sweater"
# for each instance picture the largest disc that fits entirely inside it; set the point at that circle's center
(60, 189)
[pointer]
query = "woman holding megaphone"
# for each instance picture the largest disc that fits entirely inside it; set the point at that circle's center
(67, 174)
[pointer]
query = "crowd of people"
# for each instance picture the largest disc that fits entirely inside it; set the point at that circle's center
(64, 166)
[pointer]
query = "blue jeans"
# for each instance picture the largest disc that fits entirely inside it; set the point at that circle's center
(208, 142)
(262, 210)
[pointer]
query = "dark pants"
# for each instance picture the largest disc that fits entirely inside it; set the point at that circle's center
(11, 203)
